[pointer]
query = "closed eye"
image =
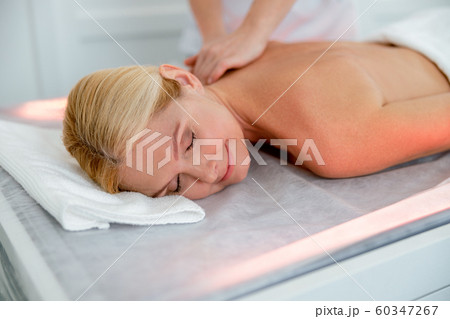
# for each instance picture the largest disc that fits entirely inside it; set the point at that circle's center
(192, 142)
(178, 184)
(177, 190)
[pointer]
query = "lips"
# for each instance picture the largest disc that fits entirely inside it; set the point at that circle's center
(230, 167)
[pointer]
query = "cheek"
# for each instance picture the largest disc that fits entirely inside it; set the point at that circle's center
(199, 191)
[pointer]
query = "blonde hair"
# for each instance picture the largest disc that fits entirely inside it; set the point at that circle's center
(105, 109)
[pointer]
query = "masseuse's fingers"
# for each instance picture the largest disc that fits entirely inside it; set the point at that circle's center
(207, 64)
(220, 67)
(231, 51)
(190, 61)
(219, 70)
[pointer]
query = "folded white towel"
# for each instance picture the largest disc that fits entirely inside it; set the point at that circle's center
(427, 32)
(37, 159)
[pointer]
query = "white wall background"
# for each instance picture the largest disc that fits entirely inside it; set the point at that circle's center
(384, 12)
(47, 45)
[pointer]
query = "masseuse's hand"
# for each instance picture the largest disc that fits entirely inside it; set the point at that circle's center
(230, 51)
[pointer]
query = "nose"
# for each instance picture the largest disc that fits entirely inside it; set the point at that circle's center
(207, 171)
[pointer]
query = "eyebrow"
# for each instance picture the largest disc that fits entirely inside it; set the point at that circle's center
(175, 147)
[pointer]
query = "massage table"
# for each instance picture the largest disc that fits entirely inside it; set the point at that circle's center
(281, 234)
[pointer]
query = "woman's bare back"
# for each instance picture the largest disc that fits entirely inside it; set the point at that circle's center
(346, 100)
(395, 73)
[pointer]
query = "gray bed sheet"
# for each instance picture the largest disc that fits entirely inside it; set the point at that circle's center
(180, 262)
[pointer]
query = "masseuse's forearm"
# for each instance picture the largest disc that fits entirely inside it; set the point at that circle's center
(265, 15)
(208, 14)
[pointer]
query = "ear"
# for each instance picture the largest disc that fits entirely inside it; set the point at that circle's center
(185, 78)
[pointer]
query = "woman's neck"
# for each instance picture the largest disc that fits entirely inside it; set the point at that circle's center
(251, 132)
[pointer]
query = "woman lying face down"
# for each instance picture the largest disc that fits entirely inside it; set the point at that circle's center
(109, 108)
(158, 131)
